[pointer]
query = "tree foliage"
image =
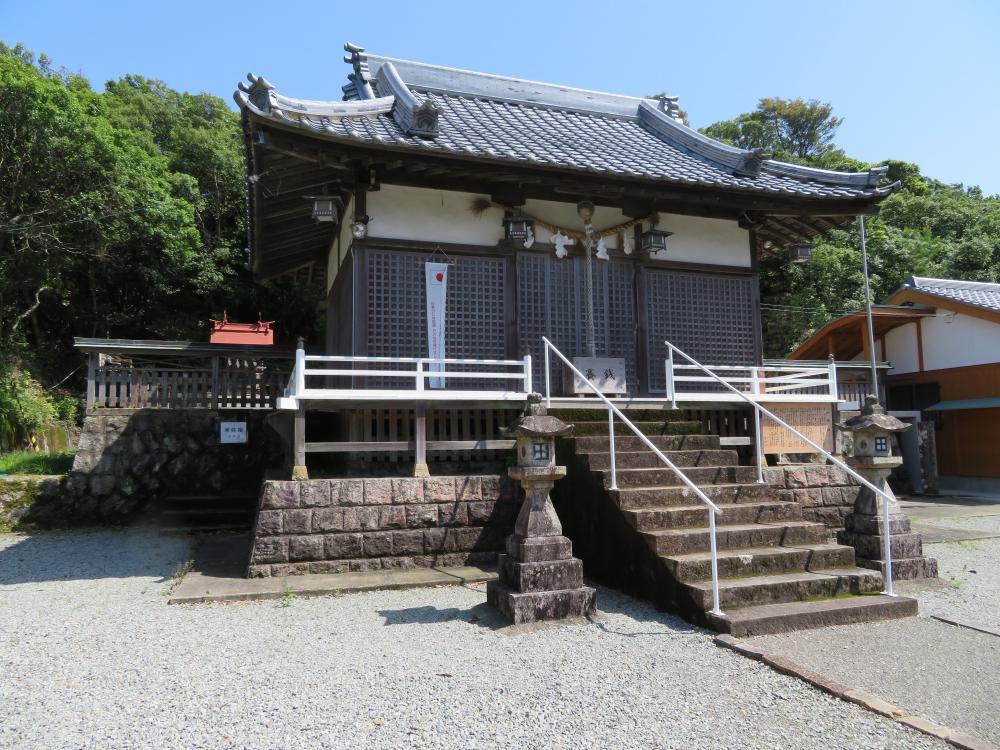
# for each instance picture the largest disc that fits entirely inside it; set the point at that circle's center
(122, 214)
(926, 228)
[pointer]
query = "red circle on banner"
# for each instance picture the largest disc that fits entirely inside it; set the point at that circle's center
(440, 277)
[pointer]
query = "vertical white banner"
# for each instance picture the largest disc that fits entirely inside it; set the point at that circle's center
(436, 275)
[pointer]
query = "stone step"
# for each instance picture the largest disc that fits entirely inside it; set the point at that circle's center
(790, 533)
(198, 502)
(697, 566)
(646, 459)
(786, 587)
(629, 442)
(686, 516)
(664, 477)
(646, 428)
(663, 497)
(766, 619)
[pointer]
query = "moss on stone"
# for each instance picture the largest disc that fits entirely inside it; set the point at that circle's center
(18, 494)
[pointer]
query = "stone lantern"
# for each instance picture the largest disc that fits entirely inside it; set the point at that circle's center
(864, 528)
(539, 579)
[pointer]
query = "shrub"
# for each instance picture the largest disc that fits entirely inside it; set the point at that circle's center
(24, 406)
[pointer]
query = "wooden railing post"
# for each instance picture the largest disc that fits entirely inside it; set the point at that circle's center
(420, 468)
(91, 381)
(216, 401)
(299, 470)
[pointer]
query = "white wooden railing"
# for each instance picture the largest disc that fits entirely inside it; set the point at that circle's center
(759, 410)
(774, 383)
(513, 377)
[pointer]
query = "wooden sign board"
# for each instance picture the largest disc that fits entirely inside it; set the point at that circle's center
(815, 421)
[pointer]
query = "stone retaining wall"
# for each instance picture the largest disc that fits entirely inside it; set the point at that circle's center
(127, 458)
(338, 525)
(826, 493)
(20, 493)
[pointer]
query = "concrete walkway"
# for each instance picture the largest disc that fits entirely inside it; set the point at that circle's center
(946, 672)
(219, 570)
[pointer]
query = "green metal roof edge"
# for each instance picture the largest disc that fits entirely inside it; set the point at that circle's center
(990, 402)
(194, 348)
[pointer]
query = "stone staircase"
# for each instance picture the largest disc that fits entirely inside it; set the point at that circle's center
(777, 572)
(206, 513)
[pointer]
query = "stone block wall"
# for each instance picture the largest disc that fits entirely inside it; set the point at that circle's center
(19, 496)
(826, 493)
(127, 458)
(339, 525)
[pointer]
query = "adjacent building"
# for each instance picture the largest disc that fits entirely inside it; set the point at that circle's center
(941, 338)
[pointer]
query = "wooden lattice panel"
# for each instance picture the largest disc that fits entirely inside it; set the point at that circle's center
(475, 323)
(550, 303)
(711, 317)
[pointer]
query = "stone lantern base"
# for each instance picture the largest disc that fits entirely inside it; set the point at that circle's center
(866, 533)
(540, 580)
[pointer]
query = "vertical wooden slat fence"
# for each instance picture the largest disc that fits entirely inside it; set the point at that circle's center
(222, 385)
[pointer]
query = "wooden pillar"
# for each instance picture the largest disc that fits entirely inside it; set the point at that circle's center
(216, 401)
(420, 468)
(299, 470)
(91, 381)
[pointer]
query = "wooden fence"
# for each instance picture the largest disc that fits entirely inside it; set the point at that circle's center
(126, 374)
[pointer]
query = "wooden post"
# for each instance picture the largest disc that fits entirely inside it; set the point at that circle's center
(91, 381)
(299, 470)
(216, 401)
(420, 468)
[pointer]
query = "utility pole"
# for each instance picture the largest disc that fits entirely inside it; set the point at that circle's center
(868, 308)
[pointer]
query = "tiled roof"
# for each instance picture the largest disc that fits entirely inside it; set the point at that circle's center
(396, 103)
(979, 293)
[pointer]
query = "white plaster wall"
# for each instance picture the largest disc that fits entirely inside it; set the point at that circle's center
(443, 216)
(901, 349)
(408, 213)
(697, 240)
(959, 341)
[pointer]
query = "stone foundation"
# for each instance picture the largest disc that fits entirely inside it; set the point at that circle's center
(826, 493)
(127, 458)
(19, 495)
(340, 525)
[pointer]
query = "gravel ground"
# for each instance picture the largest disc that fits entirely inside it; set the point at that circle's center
(973, 523)
(970, 572)
(946, 673)
(91, 656)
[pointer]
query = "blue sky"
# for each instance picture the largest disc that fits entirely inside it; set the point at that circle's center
(914, 80)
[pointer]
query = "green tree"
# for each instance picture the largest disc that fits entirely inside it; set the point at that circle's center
(797, 129)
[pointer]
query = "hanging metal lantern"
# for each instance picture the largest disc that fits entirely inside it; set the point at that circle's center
(517, 227)
(654, 240)
(324, 208)
(800, 252)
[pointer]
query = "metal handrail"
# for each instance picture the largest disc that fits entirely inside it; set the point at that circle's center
(614, 411)
(829, 456)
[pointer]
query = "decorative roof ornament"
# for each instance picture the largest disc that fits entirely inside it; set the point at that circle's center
(668, 105)
(752, 163)
(258, 92)
(414, 117)
(360, 80)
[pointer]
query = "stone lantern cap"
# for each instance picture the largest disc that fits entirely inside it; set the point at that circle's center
(536, 423)
(873, 415)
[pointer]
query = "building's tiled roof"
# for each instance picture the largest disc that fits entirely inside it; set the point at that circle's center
(979, 293)
(396, 103)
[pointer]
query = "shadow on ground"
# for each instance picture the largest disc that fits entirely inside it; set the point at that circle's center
(481, 614)
(90, 555)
